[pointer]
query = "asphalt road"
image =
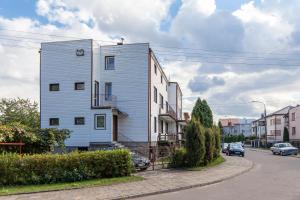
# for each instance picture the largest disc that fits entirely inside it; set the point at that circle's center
(272, 178)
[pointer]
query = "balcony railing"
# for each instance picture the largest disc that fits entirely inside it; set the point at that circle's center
(167, 136)
(169, 111)
(105, 100)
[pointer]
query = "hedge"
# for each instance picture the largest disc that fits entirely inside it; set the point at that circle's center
(178, 158)
(54, 168)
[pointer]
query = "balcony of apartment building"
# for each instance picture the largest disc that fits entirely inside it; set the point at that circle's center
(167, 113)
(104, 101)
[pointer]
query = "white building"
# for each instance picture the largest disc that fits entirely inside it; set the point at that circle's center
(235, 126)
(107, 93)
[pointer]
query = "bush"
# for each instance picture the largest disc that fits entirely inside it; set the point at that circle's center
(54, 168)
(178, 158)
(216, 133)
(286, 137)
(195, 144)
(209, 146)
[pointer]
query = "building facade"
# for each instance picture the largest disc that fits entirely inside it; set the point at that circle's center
(235, 126)
(294, 126)
(105, 94)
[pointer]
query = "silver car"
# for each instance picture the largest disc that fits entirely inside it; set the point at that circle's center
(284, 149)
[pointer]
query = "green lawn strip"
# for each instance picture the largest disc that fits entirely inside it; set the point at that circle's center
(64, 186)
(215, 162)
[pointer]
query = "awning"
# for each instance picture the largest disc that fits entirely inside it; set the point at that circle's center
(166, 117)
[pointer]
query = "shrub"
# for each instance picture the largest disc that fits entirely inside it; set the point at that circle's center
(209, 146)
(286, 137)
(195, 146)
(216, 133)
(54, 168)
(178, 158)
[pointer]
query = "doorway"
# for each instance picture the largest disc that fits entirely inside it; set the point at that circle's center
(115, 128)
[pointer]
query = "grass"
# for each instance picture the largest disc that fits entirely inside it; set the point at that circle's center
(215, 162)
(8, 190)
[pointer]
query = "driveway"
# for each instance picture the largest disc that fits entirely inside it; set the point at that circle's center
(272, 178)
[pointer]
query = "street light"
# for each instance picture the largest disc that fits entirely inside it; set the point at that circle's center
(265, 114)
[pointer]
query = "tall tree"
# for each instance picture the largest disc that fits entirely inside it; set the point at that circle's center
(286, 137)
(195, 143)
(203, 113)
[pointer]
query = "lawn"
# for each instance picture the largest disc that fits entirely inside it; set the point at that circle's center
(65, 186)
(215, 162)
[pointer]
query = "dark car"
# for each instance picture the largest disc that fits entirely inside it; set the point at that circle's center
(235, 149)
(140, 162)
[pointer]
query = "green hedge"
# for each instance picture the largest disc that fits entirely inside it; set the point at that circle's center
(54, 168)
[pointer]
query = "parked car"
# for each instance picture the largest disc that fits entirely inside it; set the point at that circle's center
(284, 149)
(140, 162)
(240, 143)
(235, 149)
(224, 147)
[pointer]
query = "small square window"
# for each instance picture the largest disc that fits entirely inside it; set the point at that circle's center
(54, 121)
(109, 62)
(54, 87)
(79, 86)
(79, 120)
(100, 121)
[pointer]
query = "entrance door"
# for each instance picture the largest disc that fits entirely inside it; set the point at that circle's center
(115, 128)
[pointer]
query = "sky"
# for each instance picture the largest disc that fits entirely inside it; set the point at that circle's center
(229, 52)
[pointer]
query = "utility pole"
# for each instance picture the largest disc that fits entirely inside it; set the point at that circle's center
(265, 117)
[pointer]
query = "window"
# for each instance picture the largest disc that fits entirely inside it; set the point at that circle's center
(167, 87)
(155, 94)
(167, 127)
(96, 94)
(161, 126)
(79, 86)
(293, 116)
(100, 121)
(278, 121)
(79, 120)
(155, 124)
(108, 91)
(155, 68)
(276, 133)
(54, 87)
(161, 101)
(293, 130)
(109, 62)
(54, 121)
(161, 78)
(167, 106)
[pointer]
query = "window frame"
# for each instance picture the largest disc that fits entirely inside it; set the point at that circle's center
(53, 84)
(51, 122)
(155, 124)
(293, 116)
(161, 101)
(106, 58)
(78, 83)
(76, 118)
(155, 69)
(106, 94)
(155, 94)
(293, 130)
(95, 121)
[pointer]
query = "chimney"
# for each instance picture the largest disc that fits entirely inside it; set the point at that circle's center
(121, 42)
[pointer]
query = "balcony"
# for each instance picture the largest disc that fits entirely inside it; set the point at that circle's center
(168, 113)
(167, 137)
(104, 100)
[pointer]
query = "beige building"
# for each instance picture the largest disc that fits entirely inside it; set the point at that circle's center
(294, 125)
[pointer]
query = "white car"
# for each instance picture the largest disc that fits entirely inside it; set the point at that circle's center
(284, 149)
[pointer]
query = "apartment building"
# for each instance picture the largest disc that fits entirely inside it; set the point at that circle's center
(294, 125)
(107, 94)
(235, 126)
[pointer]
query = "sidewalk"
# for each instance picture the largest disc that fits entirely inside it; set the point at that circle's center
(159, 181)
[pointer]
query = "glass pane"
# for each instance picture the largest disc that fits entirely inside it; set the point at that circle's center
(100, 121)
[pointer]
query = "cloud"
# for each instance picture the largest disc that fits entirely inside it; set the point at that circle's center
(203, 83)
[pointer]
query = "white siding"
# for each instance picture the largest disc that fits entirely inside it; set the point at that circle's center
(130, 86)
(59, 64)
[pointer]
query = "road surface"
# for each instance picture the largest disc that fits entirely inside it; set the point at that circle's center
(272, 178)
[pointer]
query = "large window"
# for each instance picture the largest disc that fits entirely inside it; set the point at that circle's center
(109, 62)
(100, 121)
(155, 95)
(108, 91)
(54, 121)
(79, 86)
(96, 93)
(54, 87)
(293, 130)
(161, 101)
(79, 120)
(293, 116)
(155, 124)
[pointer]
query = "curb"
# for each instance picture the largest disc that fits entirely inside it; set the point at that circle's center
(266, 151)
(186, 187)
